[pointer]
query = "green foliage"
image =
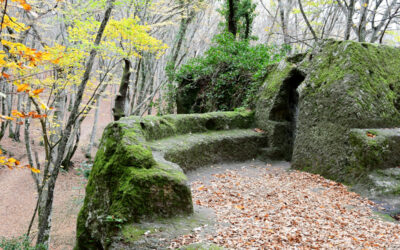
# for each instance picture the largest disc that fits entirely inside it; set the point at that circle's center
(84, 169)
(20, 243)
(132, 233)
(229, 74)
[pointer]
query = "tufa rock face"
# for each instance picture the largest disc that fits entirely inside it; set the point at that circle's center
(126, 184)
(135, 176)
(316, 101)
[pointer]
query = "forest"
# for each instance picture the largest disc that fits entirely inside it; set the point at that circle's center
(278, 117)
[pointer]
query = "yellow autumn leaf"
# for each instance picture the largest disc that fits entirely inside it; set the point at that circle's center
(43, 106)
(12, 160)
(22, 87)
(37, 91)
(35, 170)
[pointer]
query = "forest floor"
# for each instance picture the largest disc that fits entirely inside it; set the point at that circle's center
(18, 192)
(268, 206)
(257, 205)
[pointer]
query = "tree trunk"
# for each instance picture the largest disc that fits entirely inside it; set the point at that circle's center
(16, 134)
(94, 129)
(232, 25)
(120, 100)
(4, 110)
(141, 89)
(45, 213)
(362, 25)
(71, 147)
(135, 85)
(349, 22)
(286, 38)
(45, 206)
(307, 22)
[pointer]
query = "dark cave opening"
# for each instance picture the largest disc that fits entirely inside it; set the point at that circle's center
(285, 108)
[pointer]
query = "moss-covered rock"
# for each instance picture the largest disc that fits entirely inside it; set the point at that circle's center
(158, 233)
(194, 150)
(159, 127)
(348, 85)
(375, 152)
(126, 184)
(131, 182)
(375, 148)
(276, 107)
(338, 86)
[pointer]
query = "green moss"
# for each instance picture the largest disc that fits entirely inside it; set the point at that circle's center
(384, 217)
(348, 85)
(158, 127)
(190, 151)
(132, 233)
(269, 93)
(127, 183)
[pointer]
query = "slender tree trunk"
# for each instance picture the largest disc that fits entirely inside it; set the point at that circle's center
(362, 25)
(72, 98)
(150, 107)
(349, 22)
(307, 22)
(72, 146)
(16, 133)
(4, 110)
(10, 98)
(45, 206)
(135, 85)
(121, 98)
(286, 38)
(94, 129)
(232, 25)
(142, 85)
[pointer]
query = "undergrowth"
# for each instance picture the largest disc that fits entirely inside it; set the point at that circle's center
(19, 243)
(227, 76)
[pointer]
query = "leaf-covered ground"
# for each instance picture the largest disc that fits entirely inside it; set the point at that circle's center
(266, 206)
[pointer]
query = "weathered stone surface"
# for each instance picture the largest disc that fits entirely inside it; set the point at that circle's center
(276, 107)
(340, 86)
(158, 127)
(125, 185)
(158, 233)
(194, 150)
(131, 182)
(376, 151)
(375, 148)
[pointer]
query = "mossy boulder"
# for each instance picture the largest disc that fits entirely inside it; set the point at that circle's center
(339, 86)
(135, 179)
(126, 185)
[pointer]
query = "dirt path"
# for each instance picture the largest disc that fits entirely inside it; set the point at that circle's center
(264, 206)
(18, 192)
(17, 204)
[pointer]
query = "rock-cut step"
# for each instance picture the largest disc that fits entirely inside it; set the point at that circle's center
(194, 150)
